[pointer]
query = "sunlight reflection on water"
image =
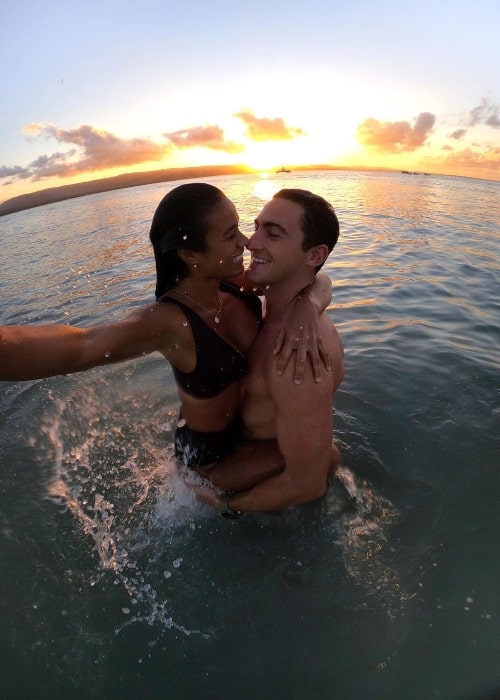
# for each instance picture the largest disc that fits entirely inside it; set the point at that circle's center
(374, 578)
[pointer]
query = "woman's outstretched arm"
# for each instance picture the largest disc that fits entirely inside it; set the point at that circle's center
(33, 352)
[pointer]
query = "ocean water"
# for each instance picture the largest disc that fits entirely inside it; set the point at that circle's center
(114, 584)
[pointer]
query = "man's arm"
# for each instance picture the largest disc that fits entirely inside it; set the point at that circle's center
(295, 467)
(248, 464)
(304, 429)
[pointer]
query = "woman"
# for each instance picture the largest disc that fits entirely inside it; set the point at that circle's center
(201, 324)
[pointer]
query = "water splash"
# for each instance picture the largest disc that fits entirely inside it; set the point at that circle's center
(123, 492)
(363, 533)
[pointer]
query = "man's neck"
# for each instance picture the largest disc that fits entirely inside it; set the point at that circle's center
(280, 295)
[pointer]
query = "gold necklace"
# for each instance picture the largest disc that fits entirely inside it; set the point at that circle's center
(209, 311)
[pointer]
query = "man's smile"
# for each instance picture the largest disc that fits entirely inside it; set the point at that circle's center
(258, 260)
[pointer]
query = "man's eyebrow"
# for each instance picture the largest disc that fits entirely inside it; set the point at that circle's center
(271, 224)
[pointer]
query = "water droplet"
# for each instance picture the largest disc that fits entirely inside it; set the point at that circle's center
(126, 611)
(107, 354)
(184, 323)
(176, 563)
(184, 238)
(167, 574)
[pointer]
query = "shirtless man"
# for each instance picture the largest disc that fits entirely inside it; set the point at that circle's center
(287, 453)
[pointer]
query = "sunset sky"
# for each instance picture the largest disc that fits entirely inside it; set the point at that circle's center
(99, 88)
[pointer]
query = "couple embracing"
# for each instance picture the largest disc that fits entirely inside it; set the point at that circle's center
(256, 425)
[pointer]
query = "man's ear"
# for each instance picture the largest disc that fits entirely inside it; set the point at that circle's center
(317, 255)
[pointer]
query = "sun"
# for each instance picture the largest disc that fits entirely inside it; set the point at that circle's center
(267, 155)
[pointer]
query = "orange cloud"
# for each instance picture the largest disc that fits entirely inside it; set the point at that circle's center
(94, 150)
(396, 137)
(204, 137)
(469, 159)
(263, 129)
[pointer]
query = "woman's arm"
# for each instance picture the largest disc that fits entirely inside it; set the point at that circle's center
(33, 352)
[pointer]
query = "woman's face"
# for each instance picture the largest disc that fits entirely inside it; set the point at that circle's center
(223, 257)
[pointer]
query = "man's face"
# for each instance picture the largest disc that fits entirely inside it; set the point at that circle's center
(276, 245)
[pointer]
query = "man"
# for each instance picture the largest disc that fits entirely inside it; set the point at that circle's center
(287, 453)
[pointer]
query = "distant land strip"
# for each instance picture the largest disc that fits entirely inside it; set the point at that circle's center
(58, 194)
(106, 184)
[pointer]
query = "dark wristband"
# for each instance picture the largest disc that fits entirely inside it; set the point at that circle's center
(227, 511)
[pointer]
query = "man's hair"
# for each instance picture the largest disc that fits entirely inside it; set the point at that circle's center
(320, 225)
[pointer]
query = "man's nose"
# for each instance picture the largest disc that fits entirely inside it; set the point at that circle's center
(252, 241)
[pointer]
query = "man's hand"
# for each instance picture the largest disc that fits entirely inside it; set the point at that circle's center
(208, 496)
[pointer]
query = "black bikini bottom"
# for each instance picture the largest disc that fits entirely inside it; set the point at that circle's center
(195, 449)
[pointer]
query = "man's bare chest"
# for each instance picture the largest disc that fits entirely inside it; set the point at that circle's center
(260, 362)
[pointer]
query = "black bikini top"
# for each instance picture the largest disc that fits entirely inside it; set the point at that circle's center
(218, 364)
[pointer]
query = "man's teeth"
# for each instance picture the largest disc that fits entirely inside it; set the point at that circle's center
(260, 261)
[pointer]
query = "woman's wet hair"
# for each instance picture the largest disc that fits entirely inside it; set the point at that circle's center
(180, 222)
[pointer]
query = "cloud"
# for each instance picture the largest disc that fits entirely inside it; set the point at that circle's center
(94, 150)
(467, 158)
(263, 129)
(11, 171)
(203, 137)
(396, 137)
(458, 134)
(486, 112)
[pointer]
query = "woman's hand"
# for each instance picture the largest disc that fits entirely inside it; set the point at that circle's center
(300, 333)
